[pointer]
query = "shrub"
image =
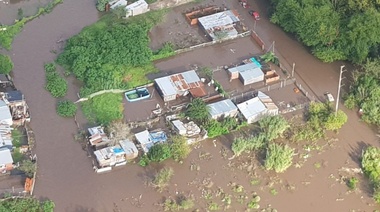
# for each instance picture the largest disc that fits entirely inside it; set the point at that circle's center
(16, 137)
(239, 145)
(179, 148)
(55, 84)
(17, 155)
(273, 126)
(183, 204)
(159, 152)
(335, 122)
(278, 157)
(215, 128)
(166, 51)
(162, 178)
(350, 102)
(371, 168)
(6, 64)
(66, 108)
(198, 110)
(352, 183)
(26, 204)
(29, 167)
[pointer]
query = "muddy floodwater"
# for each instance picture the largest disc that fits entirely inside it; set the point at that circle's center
(11, 10)
(65, 173)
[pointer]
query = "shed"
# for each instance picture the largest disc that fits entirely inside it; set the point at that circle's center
(6, 160)
(248, 73)
(222, 109)
(166, 89)
(5, 114)
(137, 8)
(130, 149)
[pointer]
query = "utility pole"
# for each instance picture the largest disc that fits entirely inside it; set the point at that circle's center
(254, 26)
(294, 65)
(273, 47)
(339, 86)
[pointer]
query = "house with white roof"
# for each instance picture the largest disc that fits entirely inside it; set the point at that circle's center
(256, 108)
(220, 25)
(6, 160)
(248, 73)
(148, 139)
(222, 109)
(5, 114)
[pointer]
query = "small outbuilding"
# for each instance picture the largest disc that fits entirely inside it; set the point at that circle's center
(223, 109)
(137, 8)
(6, 160)
(248, 73)
(256, 108)
(5, 114)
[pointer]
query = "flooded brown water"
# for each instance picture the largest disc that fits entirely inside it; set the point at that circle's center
(65, 172)
(9, 9)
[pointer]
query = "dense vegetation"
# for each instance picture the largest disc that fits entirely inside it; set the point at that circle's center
(55, 84)
(6, 64)
(112, 53)
(26, 204)
(371, 168)
(278, 157)
(7, 36)
(334, 30)
(66, 108)
(320, 117)
(365, 92)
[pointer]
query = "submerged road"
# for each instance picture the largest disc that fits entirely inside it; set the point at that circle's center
(65, 172)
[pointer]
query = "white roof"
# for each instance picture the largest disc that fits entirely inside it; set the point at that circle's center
(118, 3)
(144, 139)
(248, 71)
(5, 142)
(5, 156)
(129, 147)
(170, 87)
(218, 19)
(5, 113)
(221, 107)
(137, 4)
(166, 86)
(179, 125)
(96, 130)
(251, 107)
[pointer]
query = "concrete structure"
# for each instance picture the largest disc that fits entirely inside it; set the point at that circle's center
(98, 138)
(223, 109)
(5, 114)
(247, 73)
(186, 129)
(173, 86)
(137, 8)
(129, 148)
(220, 25)
(254, 109)
(147, 139)
(17, 105)
(110, 156)
(6, 160)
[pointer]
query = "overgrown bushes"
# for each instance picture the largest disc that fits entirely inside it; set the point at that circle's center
(6, 64)
(66, 108)
(198, 111)
(278, 157)
(26, 204)
(371, 168)
(162, 178)
(55, 84)
(166, 51)
(216, 128)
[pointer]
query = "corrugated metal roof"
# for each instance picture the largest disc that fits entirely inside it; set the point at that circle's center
(222, 107)
(218, 19)
(251, 107)
(248, 71)
(190, 76)
(166, 86)
(128, 146)
(136, 5)
(5, 113)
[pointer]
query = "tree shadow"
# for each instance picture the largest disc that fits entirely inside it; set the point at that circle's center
(356, 152)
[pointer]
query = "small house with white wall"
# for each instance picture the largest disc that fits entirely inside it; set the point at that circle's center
(137, 8)
(248, 73)
(5, 114)
(223, 109)
(256, 108)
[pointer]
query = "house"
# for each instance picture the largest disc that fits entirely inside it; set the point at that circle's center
(173, 86)
(17, 104)
(5, 114)
(6, 160)
(186, 129)
(248, 73)
(148, 139)
(254, 109)
(220, 25)
(4, 81)
(110, 156)
(98, 138)
(223, 109)
(137, 8)
(129, 148)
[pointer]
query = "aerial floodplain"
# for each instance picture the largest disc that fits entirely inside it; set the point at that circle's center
(180, 105)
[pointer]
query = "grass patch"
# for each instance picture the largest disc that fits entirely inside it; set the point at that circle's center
(16, 138)
(213, 206)
(182, 204)
(273, 191)
(352, 183)
(7, 36)
(103, 108)
(255, 182)
(17, 155)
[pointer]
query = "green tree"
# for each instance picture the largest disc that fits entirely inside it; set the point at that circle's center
(198, 110)
(120, 12)
(66, 108)
(6, 64)
(159, 152)
(179, 148)
(26, 204)
(273, 126)
(335, 122)
(371, 168)
(101, 5)
(278, 157)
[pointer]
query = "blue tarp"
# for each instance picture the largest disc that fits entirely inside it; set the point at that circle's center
(256, 62)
